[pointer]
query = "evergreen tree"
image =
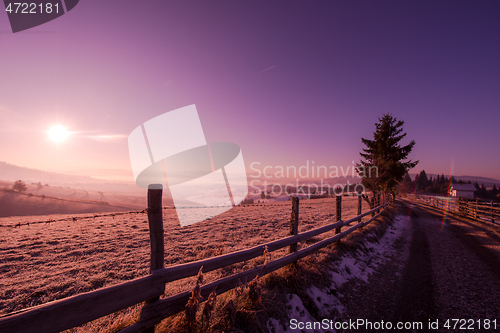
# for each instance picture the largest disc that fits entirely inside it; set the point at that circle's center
(445, 185)
(407, 178)
(406, 185)
(494, 191)
(422, 181)
(382, 166)
(436, 182)
(483, 193)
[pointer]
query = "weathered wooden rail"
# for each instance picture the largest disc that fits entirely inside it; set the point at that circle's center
(472, 209)
(73, 311)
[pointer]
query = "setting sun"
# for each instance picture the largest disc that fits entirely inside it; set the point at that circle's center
(58, 133)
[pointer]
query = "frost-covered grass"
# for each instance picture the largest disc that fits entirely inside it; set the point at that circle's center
(32, 203)
(45, 262)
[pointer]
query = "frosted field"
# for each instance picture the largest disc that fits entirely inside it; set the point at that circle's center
(44, 262)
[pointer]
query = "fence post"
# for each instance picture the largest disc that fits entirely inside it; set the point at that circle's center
(378, 202)
(338, 215)
(462, 207)
(492, 219)
(372, 205)
(155, 219)
(475, 211)
(359, 206)
(294, 222)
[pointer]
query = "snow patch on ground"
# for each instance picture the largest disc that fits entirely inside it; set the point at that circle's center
(349, 268)
(360, 265)
(325, 301)
(296, 311)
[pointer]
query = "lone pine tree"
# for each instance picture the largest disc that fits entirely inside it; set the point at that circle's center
(382, 166)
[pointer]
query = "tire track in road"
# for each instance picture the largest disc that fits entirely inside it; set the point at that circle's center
(416, 301)
(435, 274)
(466, 269)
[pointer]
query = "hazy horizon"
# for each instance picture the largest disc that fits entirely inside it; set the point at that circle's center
(271, 178)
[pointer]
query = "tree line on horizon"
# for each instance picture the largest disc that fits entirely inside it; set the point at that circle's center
(441, 185)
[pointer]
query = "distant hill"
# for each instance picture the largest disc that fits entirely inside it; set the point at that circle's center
(488, 182)
(25, 204)
(80, 194)
(11, 172)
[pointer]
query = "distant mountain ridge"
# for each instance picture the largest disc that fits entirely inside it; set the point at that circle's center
(11, 172)
(488, 182)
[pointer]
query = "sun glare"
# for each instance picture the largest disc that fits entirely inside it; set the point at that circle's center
(58, 133)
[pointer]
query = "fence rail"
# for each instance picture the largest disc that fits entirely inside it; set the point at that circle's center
(473, 209)
(73, 311)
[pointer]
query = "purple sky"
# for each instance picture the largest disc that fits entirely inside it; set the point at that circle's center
(333, 69)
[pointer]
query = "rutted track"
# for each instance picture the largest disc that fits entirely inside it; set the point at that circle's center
(439, 272)
(417, 279)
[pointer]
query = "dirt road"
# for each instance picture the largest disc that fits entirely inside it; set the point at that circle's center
(437, 273)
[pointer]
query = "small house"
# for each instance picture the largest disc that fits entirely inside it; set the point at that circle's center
(465, 191)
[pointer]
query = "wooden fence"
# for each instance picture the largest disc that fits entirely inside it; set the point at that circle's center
(77, 310)
(474, 209)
